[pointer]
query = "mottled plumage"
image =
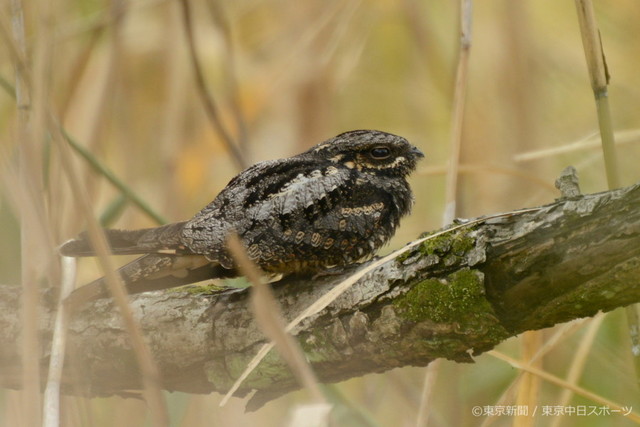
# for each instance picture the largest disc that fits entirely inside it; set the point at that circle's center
(332, 205)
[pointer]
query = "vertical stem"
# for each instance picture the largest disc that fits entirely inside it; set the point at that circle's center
(29, 313)
(451, 186)
(458, 111)
(51, 407)
(599, 77)
(270, 320)
(633, 321)
(529, 386)
(147, 365)
(608, 142)
(428, 388)
(578, 364)
(23, 97)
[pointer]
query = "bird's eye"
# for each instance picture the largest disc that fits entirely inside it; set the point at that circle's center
(380, 153)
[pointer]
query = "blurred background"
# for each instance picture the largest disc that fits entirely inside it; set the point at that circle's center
(286, 75)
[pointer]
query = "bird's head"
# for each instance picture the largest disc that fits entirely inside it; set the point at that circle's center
(370, 151)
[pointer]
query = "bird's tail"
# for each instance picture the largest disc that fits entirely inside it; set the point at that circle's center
(164, 239)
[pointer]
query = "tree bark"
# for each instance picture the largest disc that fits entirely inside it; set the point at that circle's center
(455, 296)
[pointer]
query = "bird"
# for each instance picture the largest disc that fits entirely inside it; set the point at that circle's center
(329, 207)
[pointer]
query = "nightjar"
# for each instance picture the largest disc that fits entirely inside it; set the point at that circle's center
(333, 205)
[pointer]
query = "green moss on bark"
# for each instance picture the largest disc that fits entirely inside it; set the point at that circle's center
(450, 245)
(458, 299)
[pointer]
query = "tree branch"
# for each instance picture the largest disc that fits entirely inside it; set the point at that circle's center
(454, 296)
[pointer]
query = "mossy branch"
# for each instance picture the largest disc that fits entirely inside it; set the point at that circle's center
(455, 296)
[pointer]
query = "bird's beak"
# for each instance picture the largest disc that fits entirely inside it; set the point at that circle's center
(419, 154)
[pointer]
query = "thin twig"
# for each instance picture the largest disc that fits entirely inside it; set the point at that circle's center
(219, 17)
(174, 111)
(205, 95)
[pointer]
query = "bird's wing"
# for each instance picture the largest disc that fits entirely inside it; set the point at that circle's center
(278, 190)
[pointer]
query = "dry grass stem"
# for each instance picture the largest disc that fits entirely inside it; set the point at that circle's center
(270, 320)
(19, 194)
(592, 44)
(599, 76)
(428, 387)
(32, 212)
(579, 361)
(459, 97)
(453, 170)
(549, 344)
(564, 384)
(148, 367)
(591, 142)
(51, 407)
(322, 302)
(529, 385)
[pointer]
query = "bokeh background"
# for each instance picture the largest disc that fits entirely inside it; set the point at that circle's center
(285, 75)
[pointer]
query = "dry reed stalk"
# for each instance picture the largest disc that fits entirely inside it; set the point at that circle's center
(459, 97)
(322, 302)
(147, 365)
(529, 385)
(51, 406)
(579, 361)
(270, 320)
(564, 384)
(31, 210)
(599, 77)
(549, 344)
(453, 171)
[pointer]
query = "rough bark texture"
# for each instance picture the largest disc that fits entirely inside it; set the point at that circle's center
(454, 296)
